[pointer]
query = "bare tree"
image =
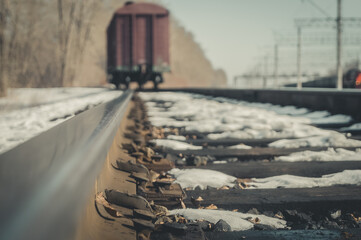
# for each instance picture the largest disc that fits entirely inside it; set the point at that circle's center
(25, 42)
(65, 26)
(82, 31)
(3, 20)
(74, 27)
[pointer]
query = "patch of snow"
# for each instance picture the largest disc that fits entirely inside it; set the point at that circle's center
(316, 115)
(356, 126)
(236, 220)
(293, 131)
(289, 110)
(176, 137)
(336, 214)
(347, 177)
(18, 98)
(282, 110)
(165, 96)
(338, 154)
(339, 118)
(240, 146)
(19, 125)
(331, 140)
(220, 162)
(202, 178)
(175, 145)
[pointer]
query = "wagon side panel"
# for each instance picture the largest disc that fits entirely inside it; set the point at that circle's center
(161, 43)
(123, 39)
(143, 40)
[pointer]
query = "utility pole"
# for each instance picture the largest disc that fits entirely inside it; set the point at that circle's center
(235, 81)
(299, 82)
(265, 72)
(339, 32)
(276, 66)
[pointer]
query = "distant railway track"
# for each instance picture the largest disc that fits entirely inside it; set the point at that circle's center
(82, 179)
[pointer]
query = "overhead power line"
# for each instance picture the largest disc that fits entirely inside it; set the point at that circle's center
(318, 8)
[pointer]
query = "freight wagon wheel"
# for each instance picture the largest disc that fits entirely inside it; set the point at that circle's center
(140, 85)
(158, 79)
(127, 82)
(155, 85)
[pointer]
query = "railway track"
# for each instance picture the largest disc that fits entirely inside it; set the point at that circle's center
(105, 177)
(307, 210)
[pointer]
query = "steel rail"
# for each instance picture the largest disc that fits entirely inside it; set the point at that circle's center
(45, 182)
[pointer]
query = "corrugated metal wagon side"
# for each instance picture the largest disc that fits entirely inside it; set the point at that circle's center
(138, 44)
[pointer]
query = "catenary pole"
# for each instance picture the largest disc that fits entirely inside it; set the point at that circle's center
(299, 82)
(339, 50)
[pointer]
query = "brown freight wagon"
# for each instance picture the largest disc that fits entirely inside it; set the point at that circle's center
(138, 44)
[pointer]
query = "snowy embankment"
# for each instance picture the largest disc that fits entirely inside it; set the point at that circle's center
(28, 112)
(203, 178)
(221, 118)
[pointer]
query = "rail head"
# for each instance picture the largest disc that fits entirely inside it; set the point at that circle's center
(45, 181)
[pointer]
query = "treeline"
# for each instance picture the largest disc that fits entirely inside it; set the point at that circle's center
(43, 42)
(62, 43)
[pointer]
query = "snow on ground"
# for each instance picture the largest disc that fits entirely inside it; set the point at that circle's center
(347, 177)
(356, 126)
(240, 146)
(229, 118)
(293, 131)
(48, 107)
(334, 139)
(175, 145)
(176, 137)
(316, 115)
(220, 162)
(204, 114)
(281, 110)
(339, 118)
(202, 178)
(27, 97)
(221, 118)
(332, 154)
(238, 221)
(175, 101)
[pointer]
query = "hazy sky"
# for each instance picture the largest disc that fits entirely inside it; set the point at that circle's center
(234, 33)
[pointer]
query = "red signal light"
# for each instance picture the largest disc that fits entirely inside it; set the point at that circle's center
(358, 81)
